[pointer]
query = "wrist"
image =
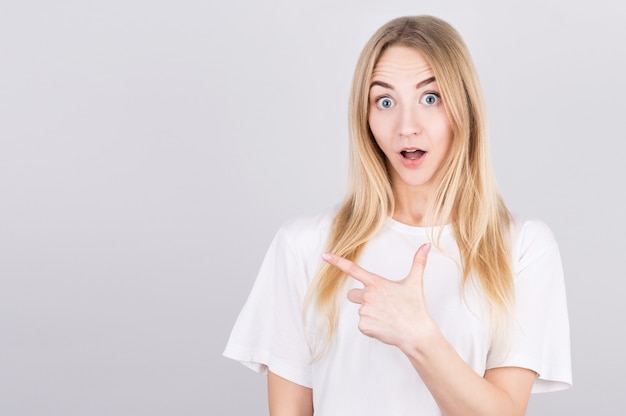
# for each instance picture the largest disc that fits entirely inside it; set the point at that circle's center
(423, 341)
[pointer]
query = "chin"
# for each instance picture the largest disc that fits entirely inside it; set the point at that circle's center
(413, 182)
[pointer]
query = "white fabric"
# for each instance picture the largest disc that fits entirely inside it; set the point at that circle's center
(363, 376)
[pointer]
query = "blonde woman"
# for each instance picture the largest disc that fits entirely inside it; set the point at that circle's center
(421, 294)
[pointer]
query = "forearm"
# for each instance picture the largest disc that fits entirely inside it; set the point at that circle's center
(458, 389)
(394, 312)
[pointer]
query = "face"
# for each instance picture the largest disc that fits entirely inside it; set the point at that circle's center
(408, 119)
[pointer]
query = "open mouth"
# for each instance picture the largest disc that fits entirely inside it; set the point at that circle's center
(412, 154)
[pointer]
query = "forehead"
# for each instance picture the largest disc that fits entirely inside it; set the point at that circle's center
(401, 61)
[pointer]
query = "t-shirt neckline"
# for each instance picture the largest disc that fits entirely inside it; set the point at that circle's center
(413, 229)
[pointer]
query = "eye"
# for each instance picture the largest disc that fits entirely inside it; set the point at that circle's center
(430, 98)
(384, 103)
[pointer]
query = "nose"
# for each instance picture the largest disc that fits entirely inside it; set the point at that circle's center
(409, 122)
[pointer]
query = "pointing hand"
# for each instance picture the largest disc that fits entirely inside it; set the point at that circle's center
(393, 312)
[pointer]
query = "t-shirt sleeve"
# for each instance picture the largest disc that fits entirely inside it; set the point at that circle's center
(269, 332)
(540, 339)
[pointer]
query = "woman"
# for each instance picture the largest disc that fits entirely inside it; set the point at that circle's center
(422, 294)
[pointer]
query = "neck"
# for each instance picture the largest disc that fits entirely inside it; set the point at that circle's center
(411, 206)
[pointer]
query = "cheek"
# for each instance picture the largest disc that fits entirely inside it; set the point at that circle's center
(379, 140)
(380, 128)
(443, 133)
(446, 144)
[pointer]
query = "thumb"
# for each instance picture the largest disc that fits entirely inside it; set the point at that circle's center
(419, 264)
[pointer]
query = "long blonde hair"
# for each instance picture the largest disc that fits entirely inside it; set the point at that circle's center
(466, 194)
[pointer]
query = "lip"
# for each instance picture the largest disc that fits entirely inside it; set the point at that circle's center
(408, 163)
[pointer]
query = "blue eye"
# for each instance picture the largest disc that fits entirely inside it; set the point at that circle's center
(385, 102)
(430, 98)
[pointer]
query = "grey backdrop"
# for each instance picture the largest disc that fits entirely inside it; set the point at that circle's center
(150, 149)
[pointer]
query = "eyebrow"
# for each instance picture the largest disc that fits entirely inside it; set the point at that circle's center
(417, 87)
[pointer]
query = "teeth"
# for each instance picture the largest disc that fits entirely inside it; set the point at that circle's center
(412, 154)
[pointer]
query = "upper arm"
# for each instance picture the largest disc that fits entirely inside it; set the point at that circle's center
(516, 382)
(287, 398)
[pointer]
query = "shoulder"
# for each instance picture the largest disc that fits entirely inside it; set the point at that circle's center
(307, 233)
(526, 231)
(531, 238)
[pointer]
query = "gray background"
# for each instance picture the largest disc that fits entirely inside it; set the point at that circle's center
(150, 149)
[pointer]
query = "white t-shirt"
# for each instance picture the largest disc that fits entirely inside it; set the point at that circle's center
(361, 375)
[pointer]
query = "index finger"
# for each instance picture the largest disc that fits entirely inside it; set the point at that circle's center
(350, 268)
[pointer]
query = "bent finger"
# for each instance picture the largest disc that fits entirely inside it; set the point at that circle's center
(355, 296)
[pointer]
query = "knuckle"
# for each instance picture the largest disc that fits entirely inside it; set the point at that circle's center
(367, 296)
(363, 327)
(351, 268)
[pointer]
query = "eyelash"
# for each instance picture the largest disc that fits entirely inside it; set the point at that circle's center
(382, 97)
(436, 94)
